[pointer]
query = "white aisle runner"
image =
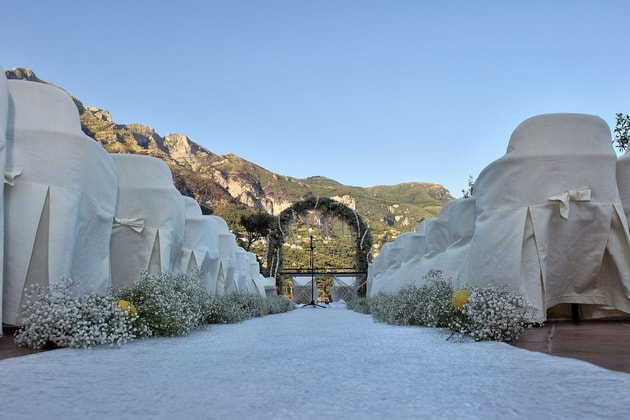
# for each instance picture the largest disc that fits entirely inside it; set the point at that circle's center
(308, 363)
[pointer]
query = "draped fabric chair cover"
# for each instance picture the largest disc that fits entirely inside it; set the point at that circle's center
(254, 272)
(242, 274)
(623, 181)
(344, 288)
(270, 286)
(549, 219)
(391, 279)
(59, 210)
(377, 268)
(228, 275)
(303, 290)
(414, 250)
(150, 219)
(200, 249)
(4, 111)
(449, 240)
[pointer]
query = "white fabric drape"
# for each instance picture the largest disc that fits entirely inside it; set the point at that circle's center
(4, 111)
(200, 248)
(150, 219)
(59, 210)
(304, 289)
(454, 230)
(344, 288)
(549, 220)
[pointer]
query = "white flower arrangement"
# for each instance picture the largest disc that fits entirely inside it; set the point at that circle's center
(168, 304)
(488, 313)
(493, 313)
(58, 318)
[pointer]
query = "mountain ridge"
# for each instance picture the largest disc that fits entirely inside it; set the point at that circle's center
(228, 185)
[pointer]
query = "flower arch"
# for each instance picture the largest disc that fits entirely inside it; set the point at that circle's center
(330, 207)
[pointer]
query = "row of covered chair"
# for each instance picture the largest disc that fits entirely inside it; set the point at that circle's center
(73, 210)
(548, 220)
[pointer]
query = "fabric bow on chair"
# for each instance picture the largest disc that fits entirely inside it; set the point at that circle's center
(579, 194)
(10, 174)
(135, 223)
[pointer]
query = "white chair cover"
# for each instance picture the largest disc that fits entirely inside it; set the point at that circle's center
(150, 219)
(415, 248)
(4, 114)
(452, 233)
(391, 280)
(242, 274)
(200, 249)
(377, 268)
(254, 272)
(344, 288)
(228, 276)
(270, 286)
(623, 181)
(304, 291)
(549, 220)
(58, 213)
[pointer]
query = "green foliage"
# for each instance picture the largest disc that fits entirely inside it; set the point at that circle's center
(329, 207)
(257, 225)
(360, 305)
(622, 131)
(467, 193)
(238, 307)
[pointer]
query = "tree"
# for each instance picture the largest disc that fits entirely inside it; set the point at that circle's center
(469, 192)
(257, 226)
(622, 131)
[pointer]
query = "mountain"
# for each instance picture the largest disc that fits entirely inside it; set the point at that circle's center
(228, 185)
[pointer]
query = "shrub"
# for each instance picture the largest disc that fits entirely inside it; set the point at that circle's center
(278, 304)
(58, 318)
(238, 307)
(360, 305)
(483, 313)
(169, 304)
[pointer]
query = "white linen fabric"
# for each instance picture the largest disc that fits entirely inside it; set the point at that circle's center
(549, 219)
(150, 219)
(304, 289)
(270, 286)
(4, 111)
(343, 289)
(257, 278)
(392, 279)
(452, 231)
(376, 269)
(415, 248)
(242, 275)
(227, 280)
(59, 210)
(200, 248)
(623, 181)
(545, 220)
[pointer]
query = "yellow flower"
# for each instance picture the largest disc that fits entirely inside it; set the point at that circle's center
(460, 298)
(127, 307)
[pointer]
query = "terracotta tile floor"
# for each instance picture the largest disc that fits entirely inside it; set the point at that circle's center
(603, 343)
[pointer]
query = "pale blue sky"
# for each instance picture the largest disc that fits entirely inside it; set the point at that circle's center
(364, 92)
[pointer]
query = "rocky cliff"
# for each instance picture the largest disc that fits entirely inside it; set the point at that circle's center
(227, 184)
